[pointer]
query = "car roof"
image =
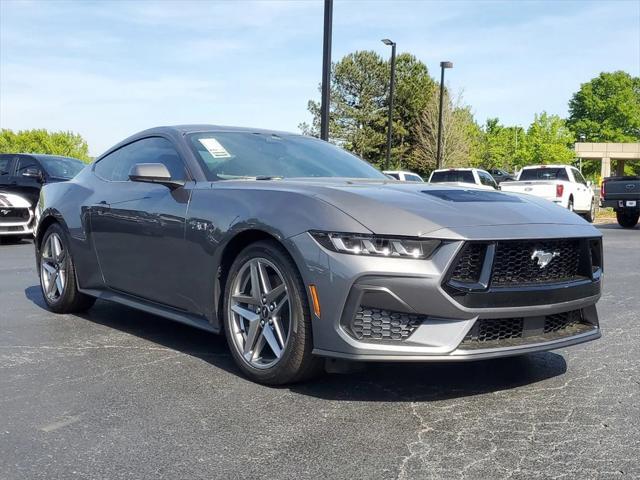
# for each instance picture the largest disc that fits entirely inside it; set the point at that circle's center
(399, 171)
(203, 127)
(178, 130)
(528, 167)
(456, 169)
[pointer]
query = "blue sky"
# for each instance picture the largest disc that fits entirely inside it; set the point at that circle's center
(108, 69)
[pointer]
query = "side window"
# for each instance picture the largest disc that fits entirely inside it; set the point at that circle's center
(485, 179)
(578, 176)
(116, 166)
(5, 166)
(394, 175)
(412, 178)
(24, 163)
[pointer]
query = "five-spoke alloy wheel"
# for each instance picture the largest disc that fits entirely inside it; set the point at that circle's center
(52, 268)
(58, 275)
(261, 312)
(267, 319)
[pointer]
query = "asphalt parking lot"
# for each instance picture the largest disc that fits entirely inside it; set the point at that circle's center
(121, 394)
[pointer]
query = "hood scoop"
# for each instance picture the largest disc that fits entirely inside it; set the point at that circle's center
(465, 196)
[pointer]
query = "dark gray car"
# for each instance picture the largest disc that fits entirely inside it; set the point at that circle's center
(298, 250)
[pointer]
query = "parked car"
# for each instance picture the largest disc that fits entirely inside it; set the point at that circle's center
(297, 250)
(24, 174)
(562, 184)
(404, 176)
(16, 217)
(500, 175)
(464, 177)
(623, 195)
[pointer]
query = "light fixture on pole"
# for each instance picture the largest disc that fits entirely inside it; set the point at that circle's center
(392, 81)
(443, 65)
(326, 70)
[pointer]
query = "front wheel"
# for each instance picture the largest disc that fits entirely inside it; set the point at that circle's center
(627, 220)
(58, 274)
(266, 316)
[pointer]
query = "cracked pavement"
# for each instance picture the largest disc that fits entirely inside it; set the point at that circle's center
(116, 393)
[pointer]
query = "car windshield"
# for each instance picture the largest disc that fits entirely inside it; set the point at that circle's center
(544, 174)
(452, 176)
(239, 155)
(61, 167)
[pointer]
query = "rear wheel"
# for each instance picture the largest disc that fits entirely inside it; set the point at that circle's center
(266, 316)
(58, 274)
(570, 204)
(590, 216)
(626, 219)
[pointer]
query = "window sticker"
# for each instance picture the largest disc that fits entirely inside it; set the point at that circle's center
(214, 147)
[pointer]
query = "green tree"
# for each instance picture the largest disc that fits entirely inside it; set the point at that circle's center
(499, 146)
(359, 105)
(42, 141)
(607, 109)
(460, 135)
(548, 140)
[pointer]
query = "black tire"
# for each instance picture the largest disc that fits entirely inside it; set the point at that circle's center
(627, 220)
(70, 300)
(570, 205)
(590, 216)
(296, 362)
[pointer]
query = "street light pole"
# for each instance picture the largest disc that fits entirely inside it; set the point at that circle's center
(443, 65)
(326, 70)
(392, 82)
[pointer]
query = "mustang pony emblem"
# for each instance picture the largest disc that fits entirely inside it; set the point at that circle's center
(544, 258)
(5, 212)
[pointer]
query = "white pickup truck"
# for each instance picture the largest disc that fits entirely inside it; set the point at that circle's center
(562, 184)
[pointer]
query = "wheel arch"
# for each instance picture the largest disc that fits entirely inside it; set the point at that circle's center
(230, 251)
(48, 219)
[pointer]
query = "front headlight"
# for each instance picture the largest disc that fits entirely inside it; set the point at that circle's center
(375, 245)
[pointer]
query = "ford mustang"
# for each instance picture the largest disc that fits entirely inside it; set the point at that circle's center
(299, 251)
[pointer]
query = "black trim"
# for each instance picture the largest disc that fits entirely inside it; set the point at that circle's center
(526, 296)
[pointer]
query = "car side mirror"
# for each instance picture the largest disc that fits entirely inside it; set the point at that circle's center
(589, 183)
(33, 173)
(153, 173)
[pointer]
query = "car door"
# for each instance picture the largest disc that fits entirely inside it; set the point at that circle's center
(138, 228)
(27, 178)
(582, 201)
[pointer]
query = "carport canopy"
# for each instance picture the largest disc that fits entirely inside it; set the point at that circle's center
(607, 152)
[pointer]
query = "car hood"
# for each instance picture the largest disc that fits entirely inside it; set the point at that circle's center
(13, 201)
(414, 209)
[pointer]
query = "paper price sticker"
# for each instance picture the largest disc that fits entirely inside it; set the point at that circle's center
(214, 147)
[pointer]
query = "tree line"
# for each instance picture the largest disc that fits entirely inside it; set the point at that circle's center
(67, 144)
(604, 109)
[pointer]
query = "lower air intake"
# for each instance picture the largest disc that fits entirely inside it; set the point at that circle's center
(383, 325)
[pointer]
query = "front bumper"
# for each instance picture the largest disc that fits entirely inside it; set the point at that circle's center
(439, 323)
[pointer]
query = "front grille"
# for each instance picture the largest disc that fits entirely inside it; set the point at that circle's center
(378, 324)
(469, 263)
(13, 215)
(506, 332)
(524, 263)
(514, 263)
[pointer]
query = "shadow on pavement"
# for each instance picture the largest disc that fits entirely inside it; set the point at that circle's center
(377, 382)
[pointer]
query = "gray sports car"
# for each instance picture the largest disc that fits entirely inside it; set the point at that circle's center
(300, 251)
